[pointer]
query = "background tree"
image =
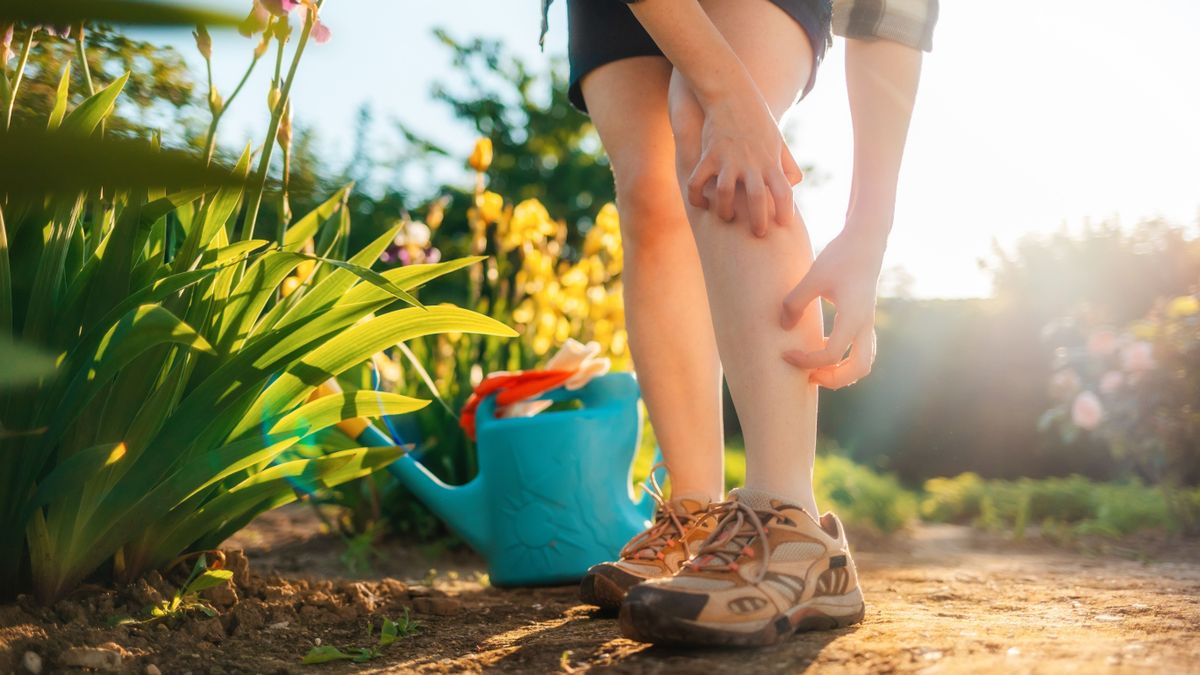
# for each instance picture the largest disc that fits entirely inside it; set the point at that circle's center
(543, 147)
(159, 95)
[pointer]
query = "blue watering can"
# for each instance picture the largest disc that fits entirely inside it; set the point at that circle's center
(553, 493)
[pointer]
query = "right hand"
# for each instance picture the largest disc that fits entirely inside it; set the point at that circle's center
(741, 144)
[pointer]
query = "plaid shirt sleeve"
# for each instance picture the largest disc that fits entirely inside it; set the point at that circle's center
(909, 22)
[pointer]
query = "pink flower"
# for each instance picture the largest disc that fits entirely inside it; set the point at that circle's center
(1137, 357)
(320, 32)
(6, 36)
(262, 9)
(280, 7)
(1102, 343)
(1110, 382)
(1086, 411)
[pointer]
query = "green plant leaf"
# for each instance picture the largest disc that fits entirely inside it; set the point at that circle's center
(329, 410)
(214, 216)
(330, 289)
(388, 633)
(21, 364)
(70, 474)
(34, 160)
(209, 579)
(129, 12)
(357, 344)
(325, 654)
(84, 119)
(307, 226)
(61, 98)
(370, 276)
(141, 329)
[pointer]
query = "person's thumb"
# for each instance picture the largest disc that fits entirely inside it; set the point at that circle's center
(798, 301)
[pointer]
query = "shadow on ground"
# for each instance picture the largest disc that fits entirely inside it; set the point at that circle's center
(940, 599)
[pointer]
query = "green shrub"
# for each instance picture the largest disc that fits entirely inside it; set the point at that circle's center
(953, 500)
(1072, 504)
(860, 496)
(183, 366)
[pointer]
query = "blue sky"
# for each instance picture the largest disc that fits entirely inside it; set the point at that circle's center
(1027, 120)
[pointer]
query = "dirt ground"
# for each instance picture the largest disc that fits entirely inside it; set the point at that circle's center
(940, 600)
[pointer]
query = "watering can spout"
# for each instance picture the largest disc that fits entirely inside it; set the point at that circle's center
(462, 508)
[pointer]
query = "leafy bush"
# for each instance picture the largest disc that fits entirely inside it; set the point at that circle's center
(1136, 390)
(183, 365)
(860, 496)
(1075, 503)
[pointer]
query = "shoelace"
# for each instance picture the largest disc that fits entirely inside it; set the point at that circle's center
(738, 526)
(667, 529)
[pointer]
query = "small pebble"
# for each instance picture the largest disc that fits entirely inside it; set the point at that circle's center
(317, 641)
(32, 662)
(153, 670)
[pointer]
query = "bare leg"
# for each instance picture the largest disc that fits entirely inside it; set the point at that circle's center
(747, 277)
(670, 330)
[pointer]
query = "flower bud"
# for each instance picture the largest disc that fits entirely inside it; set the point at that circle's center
(262, 46)
(437, 212)
(215, 103)
(320, 32)
(285, 127)
(290, 285)
(273, 98)
(481, 156)
(203, 41)
(490, 205)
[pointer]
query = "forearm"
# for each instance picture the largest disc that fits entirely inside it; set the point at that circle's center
(688, 38)
(881, 79)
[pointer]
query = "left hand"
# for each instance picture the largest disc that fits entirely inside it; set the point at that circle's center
(847, 274)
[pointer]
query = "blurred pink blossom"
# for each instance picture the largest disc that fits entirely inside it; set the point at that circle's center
(1102, 343)
(1086, 411)
(1137, 357)
(321, 32)
(1111, 381)
(280, 7)
(6, 36)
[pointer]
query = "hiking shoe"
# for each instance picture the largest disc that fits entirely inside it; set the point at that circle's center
(659, 551)
(767, 570)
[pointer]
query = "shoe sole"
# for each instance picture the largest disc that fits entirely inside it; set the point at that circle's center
(602, 592)
(639, 622)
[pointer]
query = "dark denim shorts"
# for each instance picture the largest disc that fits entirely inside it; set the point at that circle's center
(603, 31)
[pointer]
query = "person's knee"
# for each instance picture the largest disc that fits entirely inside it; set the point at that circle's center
(651, 209)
